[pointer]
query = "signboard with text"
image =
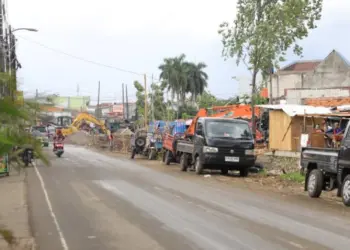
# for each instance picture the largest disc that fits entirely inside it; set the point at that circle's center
(4, 165)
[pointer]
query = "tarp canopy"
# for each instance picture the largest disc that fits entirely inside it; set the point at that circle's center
(299, 110)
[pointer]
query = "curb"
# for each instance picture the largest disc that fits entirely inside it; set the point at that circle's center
(32, 245)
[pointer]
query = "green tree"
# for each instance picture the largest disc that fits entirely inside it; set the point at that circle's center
(197, 79)
(181, 77)
(158, 106)
(264, 30)
(15, 117)
(206, 100)
(140, 102)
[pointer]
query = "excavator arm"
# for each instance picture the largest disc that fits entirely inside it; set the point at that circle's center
(79, 119)
(201, 113)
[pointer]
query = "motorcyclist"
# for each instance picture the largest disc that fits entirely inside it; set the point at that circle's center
(59, 137)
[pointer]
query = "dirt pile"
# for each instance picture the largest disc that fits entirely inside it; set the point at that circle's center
(79, 138)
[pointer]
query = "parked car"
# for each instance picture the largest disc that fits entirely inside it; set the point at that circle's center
(42, 129)
(327, 169)
(42, 137)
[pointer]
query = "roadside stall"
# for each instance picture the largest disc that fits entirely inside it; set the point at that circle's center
(4, 166)
(330, 132)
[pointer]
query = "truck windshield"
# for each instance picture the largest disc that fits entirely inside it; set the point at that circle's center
(226, 129)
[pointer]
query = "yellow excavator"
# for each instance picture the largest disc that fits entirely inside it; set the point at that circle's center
(86, 118)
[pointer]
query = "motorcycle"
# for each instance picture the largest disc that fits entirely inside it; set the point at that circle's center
(59, 150)
(27, 156)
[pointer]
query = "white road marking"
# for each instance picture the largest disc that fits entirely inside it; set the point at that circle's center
(91, 237)
(158, 188)
(295, 244)
(54, 218)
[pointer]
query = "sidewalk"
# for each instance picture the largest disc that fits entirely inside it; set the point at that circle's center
(14, 211)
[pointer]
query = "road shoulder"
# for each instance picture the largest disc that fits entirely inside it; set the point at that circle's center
(14, 216)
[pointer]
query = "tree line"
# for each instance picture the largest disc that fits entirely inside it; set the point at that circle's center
(181, 91)
(260, 36)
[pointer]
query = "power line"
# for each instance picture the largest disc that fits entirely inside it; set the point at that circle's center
(80, 58)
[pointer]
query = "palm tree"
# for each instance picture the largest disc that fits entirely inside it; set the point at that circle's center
(182, 77)
(197, 79)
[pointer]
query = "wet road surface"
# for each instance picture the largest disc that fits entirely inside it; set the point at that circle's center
(87, 200)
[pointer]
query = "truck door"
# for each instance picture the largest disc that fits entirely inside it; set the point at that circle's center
(198, 140)
(344, 153)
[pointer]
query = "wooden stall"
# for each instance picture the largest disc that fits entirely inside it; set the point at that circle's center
(285, 131)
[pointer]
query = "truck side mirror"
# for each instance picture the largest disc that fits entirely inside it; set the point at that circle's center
(199, 131)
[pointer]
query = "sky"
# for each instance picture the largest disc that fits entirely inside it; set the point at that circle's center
(82, 42)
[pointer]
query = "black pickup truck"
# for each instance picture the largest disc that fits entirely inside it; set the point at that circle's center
(328, 169)
(218, 143)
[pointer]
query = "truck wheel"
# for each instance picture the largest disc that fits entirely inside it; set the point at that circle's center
(243, 172)
(198, 166)
(133, 153)
(184, 162)
(167, 157)
(315, 183)
(346, 191)
(224, 171)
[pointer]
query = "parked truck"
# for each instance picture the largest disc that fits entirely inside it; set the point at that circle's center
(177, 131)
(218, 143)
(327, 169)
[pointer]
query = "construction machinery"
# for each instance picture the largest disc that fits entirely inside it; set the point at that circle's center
(84, 119)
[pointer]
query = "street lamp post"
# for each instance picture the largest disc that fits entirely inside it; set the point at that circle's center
(12, 65)
(27, 29)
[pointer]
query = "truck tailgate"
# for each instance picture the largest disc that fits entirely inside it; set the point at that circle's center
(184, 147)
(325, 158)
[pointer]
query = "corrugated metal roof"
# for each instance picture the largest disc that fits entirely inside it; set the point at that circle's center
(293, 110)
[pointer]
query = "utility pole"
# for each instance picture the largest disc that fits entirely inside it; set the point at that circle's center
(78, 89)
(2, 40)
(98, 101)
(36, 105)
(152, 99)
(146, 104)
(270, 92)
(127, 102)
(123, 101)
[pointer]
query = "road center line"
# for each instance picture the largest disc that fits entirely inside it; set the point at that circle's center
(54, 218)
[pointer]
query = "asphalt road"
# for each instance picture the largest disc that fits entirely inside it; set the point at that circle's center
(93, 201)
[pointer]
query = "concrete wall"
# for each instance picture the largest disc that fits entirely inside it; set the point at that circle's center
(282, 82)
(326, 80)
(296, 96)
(332, 72)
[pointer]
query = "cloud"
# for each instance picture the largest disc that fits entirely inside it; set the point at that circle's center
(137, 35)
(111, 17)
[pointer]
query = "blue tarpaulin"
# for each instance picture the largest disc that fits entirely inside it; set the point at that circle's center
(156, 124)
(179, 127)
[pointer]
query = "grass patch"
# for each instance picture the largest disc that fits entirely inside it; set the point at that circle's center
(263, 172)
(293, 176)
(8, 236)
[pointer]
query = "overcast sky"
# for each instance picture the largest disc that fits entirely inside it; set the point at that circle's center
(136, 35)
